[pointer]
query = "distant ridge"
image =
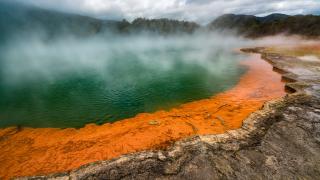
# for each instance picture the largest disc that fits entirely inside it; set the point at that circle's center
(23, 20)
(17, 19)
(252, 26)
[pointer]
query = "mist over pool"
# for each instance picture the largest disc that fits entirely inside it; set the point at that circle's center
(69, 82)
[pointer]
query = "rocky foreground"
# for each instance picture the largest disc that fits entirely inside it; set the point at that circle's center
(281, 141)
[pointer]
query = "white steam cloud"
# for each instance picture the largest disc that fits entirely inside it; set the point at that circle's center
(34, 59)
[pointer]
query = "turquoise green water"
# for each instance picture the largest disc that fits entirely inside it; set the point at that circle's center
(70, 85)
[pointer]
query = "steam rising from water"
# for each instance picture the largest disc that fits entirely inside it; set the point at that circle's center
(33, 59)
(68, 82)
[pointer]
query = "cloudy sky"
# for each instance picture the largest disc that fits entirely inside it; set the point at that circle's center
(201, 11)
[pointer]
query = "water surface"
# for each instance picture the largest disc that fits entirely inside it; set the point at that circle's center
(69, 83)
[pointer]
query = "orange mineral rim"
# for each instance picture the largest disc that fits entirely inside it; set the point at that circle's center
(39, 151)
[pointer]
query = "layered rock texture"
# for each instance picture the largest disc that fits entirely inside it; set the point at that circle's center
(280, 141)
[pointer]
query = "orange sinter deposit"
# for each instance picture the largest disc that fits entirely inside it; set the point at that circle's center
(32, 151)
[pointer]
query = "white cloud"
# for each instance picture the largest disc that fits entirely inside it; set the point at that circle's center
(201, 11)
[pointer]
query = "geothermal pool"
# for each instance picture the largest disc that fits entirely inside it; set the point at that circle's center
(57, 93)
(71, 82)
(38, 151)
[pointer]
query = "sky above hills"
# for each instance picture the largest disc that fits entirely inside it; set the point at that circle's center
(201, 11)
